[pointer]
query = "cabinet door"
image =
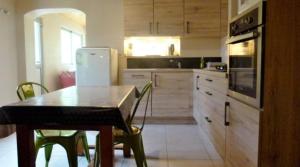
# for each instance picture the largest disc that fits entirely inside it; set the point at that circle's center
(202, 18)
(139, 79)
(172, 94)
(224, 18)
(168, 17)
(138, 17)
(212, 106)
(242, 135)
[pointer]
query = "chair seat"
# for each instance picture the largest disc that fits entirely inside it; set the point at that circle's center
(119, 132)
(56, 133)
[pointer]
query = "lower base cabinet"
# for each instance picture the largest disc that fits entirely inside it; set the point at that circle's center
(231, 126)
(172, 94)
(241, 135)
(171, 100)
(209, 100)
(139, 79)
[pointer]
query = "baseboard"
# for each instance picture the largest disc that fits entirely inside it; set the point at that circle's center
(166, 120)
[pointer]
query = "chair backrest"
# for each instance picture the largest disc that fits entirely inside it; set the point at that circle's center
(26, 91)
(146, 90)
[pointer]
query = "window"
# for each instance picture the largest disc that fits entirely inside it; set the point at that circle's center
(37, 42)
(70, 42)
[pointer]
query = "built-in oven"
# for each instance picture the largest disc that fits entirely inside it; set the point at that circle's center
(246, 50)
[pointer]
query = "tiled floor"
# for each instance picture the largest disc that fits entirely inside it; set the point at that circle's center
(165, 146)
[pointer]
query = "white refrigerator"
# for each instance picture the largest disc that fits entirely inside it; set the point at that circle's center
(96, 67)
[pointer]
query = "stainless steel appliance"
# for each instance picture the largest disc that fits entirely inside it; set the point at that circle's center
(246, 50)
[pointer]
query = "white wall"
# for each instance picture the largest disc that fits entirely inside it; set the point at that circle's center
(8, 55)
(52, 24)
(104, 23)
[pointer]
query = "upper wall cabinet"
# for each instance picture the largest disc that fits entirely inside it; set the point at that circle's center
(189, 18)
(202, 18)
(153, 17)
(168, 17)
(138, 19)
(224, 18)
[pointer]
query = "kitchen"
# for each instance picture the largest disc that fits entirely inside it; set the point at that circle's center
(188, 48)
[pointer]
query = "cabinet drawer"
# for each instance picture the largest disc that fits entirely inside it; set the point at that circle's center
(242, 135)
(216, 83)
(215, 100)
(138, 79)
(213, 127)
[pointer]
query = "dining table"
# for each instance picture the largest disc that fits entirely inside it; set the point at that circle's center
(97, 108)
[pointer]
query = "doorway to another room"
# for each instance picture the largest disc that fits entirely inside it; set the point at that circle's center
(52, 37)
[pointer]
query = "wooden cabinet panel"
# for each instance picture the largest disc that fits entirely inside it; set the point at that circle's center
(209, 106)
(139, 79)
(242, 135)
(168, 17)
(191, 18)
(138, 19)
(224, 18)
(172, 94)
(212, 106)
(202, 18)
(237, 143)
(216, 83)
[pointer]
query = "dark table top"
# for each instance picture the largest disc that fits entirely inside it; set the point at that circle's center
(107, 105)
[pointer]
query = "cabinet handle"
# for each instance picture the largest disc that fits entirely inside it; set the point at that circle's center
(226, 123)
(187, 27)
(208, 120)
(150, 27)
(197, 81)
(157, 26)
(155, 81)
(137, 75)
(209, 80)
(208, 93)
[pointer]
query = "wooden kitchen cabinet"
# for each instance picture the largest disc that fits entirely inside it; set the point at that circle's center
(202, 18)
(209, 100)
(139, 79)
(168, 17)
(224, 18)
(172, 94)
(242, 135)
(138, 17)
(171, 98)
(153, 17)
(189, 18)
(237, 142)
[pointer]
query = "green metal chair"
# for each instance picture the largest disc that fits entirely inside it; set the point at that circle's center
(134, 139)
(68, 139)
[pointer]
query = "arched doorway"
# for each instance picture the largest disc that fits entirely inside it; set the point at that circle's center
(51, 38)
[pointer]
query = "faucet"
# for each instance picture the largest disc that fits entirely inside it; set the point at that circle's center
(179, 64)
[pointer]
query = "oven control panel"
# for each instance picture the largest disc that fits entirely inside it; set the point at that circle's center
(244, 23)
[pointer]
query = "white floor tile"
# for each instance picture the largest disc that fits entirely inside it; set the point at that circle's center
(190, 163)
(165, 146)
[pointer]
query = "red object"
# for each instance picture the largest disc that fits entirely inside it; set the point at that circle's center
(67, 79)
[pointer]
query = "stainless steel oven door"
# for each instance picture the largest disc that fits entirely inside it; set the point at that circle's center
(245, 59)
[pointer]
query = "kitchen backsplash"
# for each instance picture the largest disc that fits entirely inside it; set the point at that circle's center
(176, 62)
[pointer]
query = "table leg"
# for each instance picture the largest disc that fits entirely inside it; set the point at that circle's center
(106, 145)
(26, 148)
